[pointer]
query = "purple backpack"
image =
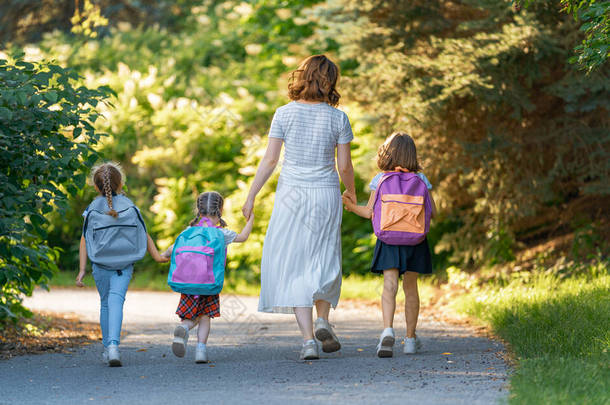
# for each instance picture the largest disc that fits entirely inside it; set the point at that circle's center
(402, 209)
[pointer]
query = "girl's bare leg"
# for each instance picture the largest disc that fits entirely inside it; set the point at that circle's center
(204, 329)
(388, 297)
(305, 322)
(188, 323)
(409, 284)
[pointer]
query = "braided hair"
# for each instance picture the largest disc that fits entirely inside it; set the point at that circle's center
(108, 178)
(209, 204)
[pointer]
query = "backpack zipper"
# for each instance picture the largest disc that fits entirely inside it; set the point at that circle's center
(114, 226)
(400, 202)
(193, 251)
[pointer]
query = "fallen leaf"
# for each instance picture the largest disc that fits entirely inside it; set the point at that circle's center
(446, 353)
(360, 350)
(141, 350)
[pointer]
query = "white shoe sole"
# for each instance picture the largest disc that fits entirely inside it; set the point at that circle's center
(329, 343)
(386, 347)
(178, 346)
(310, 356)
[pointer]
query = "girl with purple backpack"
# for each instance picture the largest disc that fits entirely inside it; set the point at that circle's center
(400, 208)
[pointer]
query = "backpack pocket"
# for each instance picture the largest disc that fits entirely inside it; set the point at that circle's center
(194, 265)
(402, 213)
(115, 240)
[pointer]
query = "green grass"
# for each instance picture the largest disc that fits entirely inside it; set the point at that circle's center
(353, 287)
(559, 330)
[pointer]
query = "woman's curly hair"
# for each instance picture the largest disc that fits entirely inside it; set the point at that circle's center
(315, 80)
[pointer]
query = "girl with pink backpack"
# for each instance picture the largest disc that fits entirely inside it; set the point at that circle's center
(198, 259)
(400, 207)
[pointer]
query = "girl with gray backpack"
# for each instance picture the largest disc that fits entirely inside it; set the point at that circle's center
(114, 238)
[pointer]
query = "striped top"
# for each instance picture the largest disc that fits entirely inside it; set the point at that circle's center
(310, 133)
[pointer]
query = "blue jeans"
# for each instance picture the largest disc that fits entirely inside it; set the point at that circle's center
(112, 288)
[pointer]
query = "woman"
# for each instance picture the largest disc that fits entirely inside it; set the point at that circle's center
(301, 263)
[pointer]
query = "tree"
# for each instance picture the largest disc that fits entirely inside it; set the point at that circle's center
(592, 52)
(46, 140)
(514, 140)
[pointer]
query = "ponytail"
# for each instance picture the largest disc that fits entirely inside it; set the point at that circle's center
(108, 191)
(195, 221)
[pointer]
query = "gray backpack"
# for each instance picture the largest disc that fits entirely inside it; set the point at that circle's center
(114, 243)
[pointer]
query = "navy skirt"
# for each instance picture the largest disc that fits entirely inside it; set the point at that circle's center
(404, 258)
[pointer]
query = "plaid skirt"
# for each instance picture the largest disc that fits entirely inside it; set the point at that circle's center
(193, 306)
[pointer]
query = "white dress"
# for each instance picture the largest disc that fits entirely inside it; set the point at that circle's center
(301, 260)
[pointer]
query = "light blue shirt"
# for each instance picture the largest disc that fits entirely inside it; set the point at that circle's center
(377, 178)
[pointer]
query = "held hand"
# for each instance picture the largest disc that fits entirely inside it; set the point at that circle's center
(79, 279)
(351, 196)
(162, 259)
(349, 205)
(247, 208)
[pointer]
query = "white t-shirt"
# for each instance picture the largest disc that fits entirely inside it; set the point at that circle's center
(311, 133)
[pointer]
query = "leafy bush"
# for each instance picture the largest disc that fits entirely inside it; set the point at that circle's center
(46, 140)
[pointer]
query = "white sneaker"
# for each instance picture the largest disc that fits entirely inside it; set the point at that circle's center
(412, 345)
(181, 337)
(105, 355)
(201, 355)
(385, 347)
(324, 333)
(114, 357)
(310, 351)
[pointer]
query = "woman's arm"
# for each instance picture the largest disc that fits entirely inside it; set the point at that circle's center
(152, 249)
(365, 211)
(245, 233)
(346, 170)
(82, 261)
(265, 168)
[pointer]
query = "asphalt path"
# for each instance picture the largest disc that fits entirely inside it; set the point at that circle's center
(254, 359)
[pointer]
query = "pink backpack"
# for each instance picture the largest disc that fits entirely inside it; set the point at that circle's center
(402, 209)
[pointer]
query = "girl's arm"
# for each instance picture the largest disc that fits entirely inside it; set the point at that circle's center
(265, 168)
(365, 211)
(245, 233)
(346, 170)
(168, 252)
(152, 249)
(82, 262)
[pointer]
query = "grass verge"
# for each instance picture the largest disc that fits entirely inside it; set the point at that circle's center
(356, 287)
(559, 329)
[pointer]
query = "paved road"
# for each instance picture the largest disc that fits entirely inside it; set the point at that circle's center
(254, 360)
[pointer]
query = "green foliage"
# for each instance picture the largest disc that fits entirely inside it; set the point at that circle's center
(557, 327)
(592, 52)
(192, 110)
(46, 135)
(509, 134)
